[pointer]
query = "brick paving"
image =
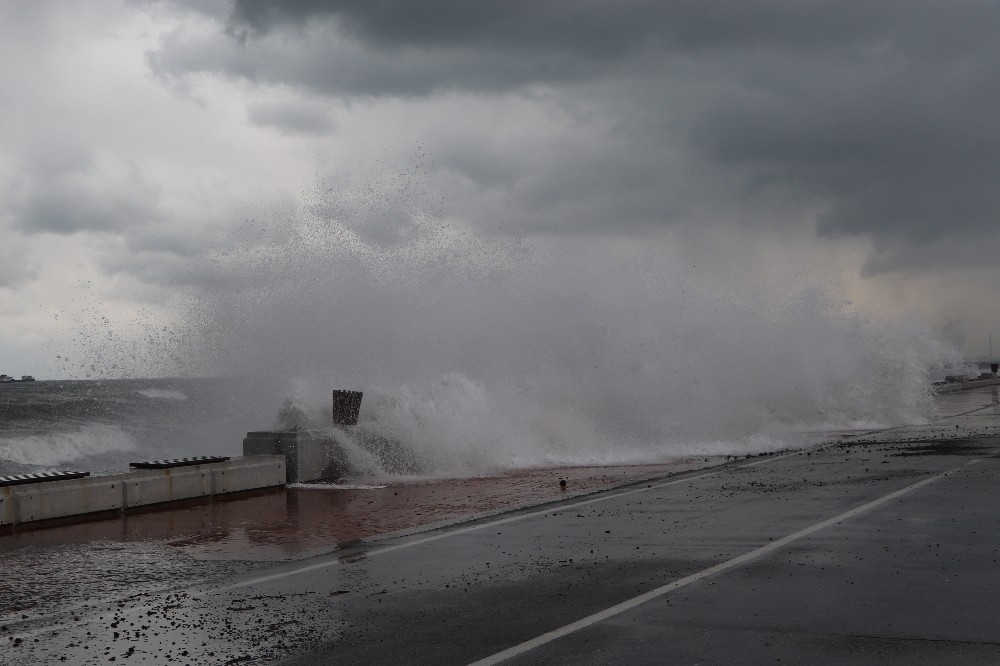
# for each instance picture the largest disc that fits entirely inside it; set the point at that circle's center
(299, 521)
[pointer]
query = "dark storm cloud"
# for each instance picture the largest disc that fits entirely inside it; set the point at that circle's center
(869, 118)
(591, 29)
(416, 48)
(951, 253)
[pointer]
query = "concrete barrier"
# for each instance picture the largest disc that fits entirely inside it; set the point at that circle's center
(58, 499)
(6, 506)
(154, 486)
(113, 492)
(308, 456)
(252, 473)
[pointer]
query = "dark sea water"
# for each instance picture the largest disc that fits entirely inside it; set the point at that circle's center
(103, 425)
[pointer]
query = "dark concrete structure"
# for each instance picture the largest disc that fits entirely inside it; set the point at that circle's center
(346, 407)
(308, 456)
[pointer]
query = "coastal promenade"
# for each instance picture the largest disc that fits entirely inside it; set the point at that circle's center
(880, 547)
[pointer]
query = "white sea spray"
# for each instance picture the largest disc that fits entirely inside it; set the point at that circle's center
(484, 353)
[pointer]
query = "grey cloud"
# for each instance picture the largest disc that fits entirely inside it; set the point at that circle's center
(11, 275)
(82, 201)
(951, 253)
(213, 8)
(16, 263)
(158, 254)
(291, 118)
(148, 267)
(162, 239)
(63, 186)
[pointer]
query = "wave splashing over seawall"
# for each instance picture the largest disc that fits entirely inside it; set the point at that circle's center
(483, 354)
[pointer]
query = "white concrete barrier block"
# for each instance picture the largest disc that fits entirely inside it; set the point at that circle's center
(6, 506)
(56, 499)
(166, 485)
(249, 473)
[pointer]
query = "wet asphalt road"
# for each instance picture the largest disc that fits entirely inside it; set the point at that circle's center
(909, 579)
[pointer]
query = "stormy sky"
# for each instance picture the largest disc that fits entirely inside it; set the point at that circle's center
(858, 141)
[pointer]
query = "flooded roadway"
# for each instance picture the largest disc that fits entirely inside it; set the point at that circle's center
(881, 548)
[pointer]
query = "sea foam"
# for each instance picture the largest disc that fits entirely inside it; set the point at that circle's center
(67, 446)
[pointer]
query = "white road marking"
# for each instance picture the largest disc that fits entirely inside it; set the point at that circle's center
(771, 459)
(704, 573)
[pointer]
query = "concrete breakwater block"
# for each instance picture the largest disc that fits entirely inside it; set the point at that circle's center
(309, 456)
(143, 487)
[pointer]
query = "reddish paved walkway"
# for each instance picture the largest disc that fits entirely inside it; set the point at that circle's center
(301, 521)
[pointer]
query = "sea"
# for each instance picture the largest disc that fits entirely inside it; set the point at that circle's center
(102, 425)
